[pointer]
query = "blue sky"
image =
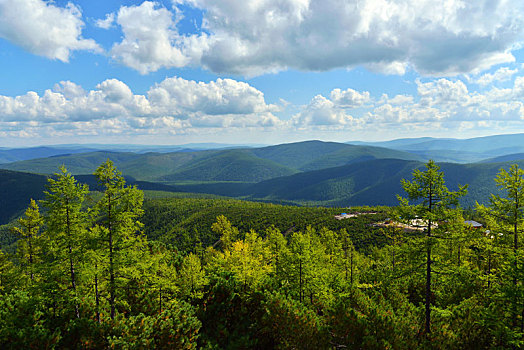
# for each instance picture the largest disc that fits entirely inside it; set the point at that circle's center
(258, 71)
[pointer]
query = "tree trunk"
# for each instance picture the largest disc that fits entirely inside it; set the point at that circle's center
(428, 269)
(489, 269)
(71, 265)
(300, 280)
(111, 263)
(515, 251)
(31, 258)
(97, 298)
(351, 276)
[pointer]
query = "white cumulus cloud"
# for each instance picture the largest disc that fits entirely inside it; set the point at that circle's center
(43, 28)
(107, 22)
(175, 105)
(502, 74)
(151, 40)
(432, 37)
(437, 104)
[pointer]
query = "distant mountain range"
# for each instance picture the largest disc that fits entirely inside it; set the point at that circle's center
(243, 164)
(310, 172)
(9, 155)
(457, 150)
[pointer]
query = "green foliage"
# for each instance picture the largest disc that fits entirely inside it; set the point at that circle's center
(119, 246)
(8, 274)
(28, 246)
(295, 326)
(505, 217)
(230, 274)
(362, 321)
(184, 222)
(24, 323)
(176, 327)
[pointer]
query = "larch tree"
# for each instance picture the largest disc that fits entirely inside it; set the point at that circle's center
(7, 272)
(116, 215)
(278, 248)
(28, 228)
(306, 264)
(191, 277)
(66, 223)
(506, 216)
(433, 202)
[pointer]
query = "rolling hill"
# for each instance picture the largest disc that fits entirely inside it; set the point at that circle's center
(457, 150)
(375, 182)
(314, 155)
(234, 165)
(312, 173)
(16, 190)
(83, 163)
(247, 165)
(505, 158)
(18, 154)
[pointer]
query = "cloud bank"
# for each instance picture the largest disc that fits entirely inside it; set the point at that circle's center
(248, 38)
(439, 38)
(177, 106)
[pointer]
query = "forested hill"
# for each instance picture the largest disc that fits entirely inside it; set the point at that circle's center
(458, 150)
(18, 154)
(248, 165)
(372, 182)
(301, 173)
(375, 182)
(16, 189)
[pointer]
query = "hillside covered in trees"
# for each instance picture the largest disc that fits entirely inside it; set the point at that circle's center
(97, 267)
(310, 173)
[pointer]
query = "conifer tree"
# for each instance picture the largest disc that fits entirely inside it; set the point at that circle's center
(191, 277)
(228, 233)
(348, 256)
(306, 263)
(506, 216)
(7, 272)
(66, 227)
(278, 249)
(433, 203)
(28, 228)
(116, 215)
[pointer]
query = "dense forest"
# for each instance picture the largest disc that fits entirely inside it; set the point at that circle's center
(106, 269)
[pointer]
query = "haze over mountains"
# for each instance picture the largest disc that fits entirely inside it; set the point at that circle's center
(458, 150)
(310, 172)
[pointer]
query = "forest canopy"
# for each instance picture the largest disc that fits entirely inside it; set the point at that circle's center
(99, 269)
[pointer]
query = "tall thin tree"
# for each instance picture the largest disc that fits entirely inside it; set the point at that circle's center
(117, 214)
(66, 223)
(28, 228)
(433, 201)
